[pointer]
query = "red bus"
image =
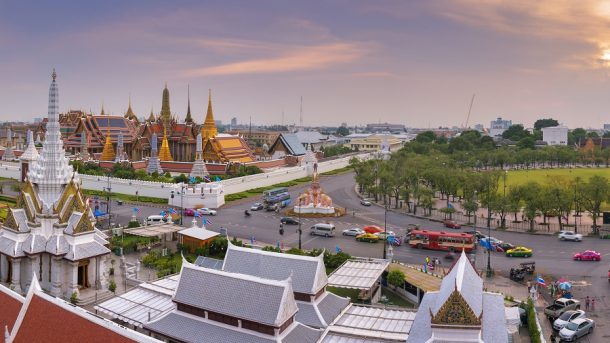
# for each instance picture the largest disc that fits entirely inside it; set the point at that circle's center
(440, 240)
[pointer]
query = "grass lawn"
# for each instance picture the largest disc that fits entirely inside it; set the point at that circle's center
(545, 176)
(395, 299)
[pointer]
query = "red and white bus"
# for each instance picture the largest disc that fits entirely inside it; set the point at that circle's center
(440, 240)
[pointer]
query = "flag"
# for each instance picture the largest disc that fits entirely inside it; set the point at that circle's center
(172, 211)
(136, 210)
(486, 243)
(196, 214)
(337, 249)
(206, 221)
(206, 178)
(192, 179)
(540, 281)
(163, 213)
(217, 178)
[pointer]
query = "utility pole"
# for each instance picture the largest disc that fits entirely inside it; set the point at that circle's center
(300, 232)
(385, 230)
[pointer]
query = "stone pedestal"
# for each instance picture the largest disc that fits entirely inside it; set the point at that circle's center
(16, 276)
(56, 273)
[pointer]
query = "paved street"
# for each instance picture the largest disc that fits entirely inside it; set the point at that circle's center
(553, 257)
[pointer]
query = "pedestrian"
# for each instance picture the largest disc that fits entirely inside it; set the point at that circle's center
(592, 304)
(427, 259)
(587, 303)
(529, 286)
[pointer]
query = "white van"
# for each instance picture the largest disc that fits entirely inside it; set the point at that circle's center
(155, 219)
(322, 229)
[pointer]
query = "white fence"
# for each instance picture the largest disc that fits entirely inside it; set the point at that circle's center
(162, 190)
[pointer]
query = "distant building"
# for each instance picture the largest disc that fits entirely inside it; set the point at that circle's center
(555, 135)
(479, 127)
(315, 139)
(498, 126)
(286, 144)
(374, 143)
(233, 122)
(385, 127)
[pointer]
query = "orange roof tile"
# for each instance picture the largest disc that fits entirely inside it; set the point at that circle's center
(10, 305)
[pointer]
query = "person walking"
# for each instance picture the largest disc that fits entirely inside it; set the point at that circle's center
(529, 286)
(592, 304)
(587, 303)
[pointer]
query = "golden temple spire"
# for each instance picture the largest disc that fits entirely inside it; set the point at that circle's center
(151, 117)
(189, 118)
(164, 153)
(108, 151)
(165, 110)
(130, 114)
(102, 113)
(209, 130)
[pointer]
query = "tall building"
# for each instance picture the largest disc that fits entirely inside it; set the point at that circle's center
(498, 126)
(233, 122)
(51, 233)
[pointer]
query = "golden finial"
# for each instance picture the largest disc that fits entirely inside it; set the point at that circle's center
(54, 75)
(210, 94)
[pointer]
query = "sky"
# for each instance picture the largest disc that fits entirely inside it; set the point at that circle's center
(416, 63)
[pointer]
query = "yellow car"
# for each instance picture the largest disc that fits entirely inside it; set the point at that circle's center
(367, 237)
(519, 252)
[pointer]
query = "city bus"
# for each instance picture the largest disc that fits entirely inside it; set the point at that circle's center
(440, 240)
(276, 198)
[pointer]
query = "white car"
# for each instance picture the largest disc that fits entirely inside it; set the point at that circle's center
(570, 236)
(567, 317)
(206, 211)
(353, 232)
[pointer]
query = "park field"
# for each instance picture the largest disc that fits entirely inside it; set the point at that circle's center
(546, 176)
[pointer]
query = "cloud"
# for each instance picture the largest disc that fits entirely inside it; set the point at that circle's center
(582, 24)
(298, 59)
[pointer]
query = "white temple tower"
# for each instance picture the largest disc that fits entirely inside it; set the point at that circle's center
(51, 171)
(154, 165)
(9, 154)
(199, 169)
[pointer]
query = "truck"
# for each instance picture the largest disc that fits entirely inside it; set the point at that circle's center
(560, 306)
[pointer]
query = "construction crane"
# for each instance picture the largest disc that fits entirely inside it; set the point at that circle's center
(469, 110)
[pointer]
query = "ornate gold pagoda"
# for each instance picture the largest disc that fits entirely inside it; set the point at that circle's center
(108, 152)
(209, 130)
(164, 153)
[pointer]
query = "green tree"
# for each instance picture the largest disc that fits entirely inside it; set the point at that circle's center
(578, 134)
(342, 131)
(396, 278)
(425, 137)
(515, 133)
(531, 191)
(541, 123)
(526, 143)
(596, 191)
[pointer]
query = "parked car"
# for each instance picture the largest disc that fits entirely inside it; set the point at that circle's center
(289, 221)
(567, 317)
(569, 236)
(189, 212)
(206, 211)
(384, 235)
(451, 224)
(588, 255)
(560, 306)
(367, 237)
(257, 206)
(355, 231)
(519, 252)
(576, 329)
(365, 202)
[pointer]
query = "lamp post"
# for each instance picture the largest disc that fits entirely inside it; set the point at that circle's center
(109, 190)
(475, 212)
(385, 230)
(181, 202)
(300, 231)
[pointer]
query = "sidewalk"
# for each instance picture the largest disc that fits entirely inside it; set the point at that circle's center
(519, 292)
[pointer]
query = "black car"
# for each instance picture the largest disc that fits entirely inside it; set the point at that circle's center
(506, 246)
(289, 221)
(476, 233)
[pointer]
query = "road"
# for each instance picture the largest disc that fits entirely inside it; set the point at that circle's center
(553, 257)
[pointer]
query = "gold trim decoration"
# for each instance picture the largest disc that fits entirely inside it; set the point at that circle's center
(10, 221)
(70, 189)
(74, 205)
(456, 311)
(28, 188)
(84, 224)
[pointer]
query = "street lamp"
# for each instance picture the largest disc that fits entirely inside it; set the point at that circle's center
(475, 212)
(109, 190)
(385, 230)
(300, 231)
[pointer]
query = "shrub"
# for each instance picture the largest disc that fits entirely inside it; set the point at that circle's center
(112, 286)
(531, 322)
(133, 223)
(396, 278)
(272, 248)
(74, 298)
(296, 251)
